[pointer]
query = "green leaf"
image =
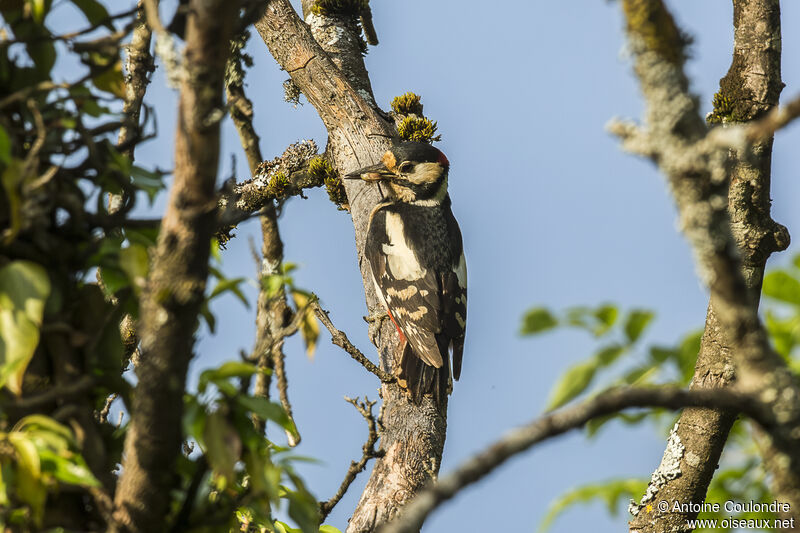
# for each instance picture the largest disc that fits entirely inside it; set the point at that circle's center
(94, 12)
(328, 529)
(5, 147)
(24, 288)
(205, 312)
(231, 369)
(267, 410)
(572, 383)
(796, 261)
(606, 316)
(309, 328)
(39, 9)
(302, 506)
(194, 418)
(609, 354)
(147, 180)
(230, 284)
(68, 469)
(611, 492)
(111, 80)
(537, 320)
(595, 424)
(42, 423)
(223, 445)
(29, 486)
(781, 286)
(636, 322)
(687, 354)
(43, 54)
(135, 262)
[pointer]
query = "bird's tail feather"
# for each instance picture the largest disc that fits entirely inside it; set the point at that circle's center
(419, 378)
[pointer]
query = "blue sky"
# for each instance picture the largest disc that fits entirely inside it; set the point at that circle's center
(552, 211)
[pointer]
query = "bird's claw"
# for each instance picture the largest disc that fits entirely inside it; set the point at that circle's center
(375, 322)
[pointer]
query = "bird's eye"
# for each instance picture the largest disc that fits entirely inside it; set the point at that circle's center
(405, 166)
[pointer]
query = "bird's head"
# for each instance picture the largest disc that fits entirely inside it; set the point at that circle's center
(414, 173)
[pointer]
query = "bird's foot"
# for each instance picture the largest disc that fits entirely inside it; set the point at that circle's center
(375, 322)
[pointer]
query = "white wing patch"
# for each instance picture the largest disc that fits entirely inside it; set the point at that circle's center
(401, 259)
(461, 272)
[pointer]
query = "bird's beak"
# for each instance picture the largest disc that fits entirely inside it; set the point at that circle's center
(372, 173)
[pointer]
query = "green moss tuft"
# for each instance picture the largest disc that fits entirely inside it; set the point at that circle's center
(278, 184)
(418, 129)
(407, 104)
(324, 174)
(723, 110)
(654, 25)
(350, 8)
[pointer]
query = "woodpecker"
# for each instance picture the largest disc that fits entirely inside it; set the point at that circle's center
(417, 262)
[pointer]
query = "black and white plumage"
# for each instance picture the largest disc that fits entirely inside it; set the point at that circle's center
(417, 261)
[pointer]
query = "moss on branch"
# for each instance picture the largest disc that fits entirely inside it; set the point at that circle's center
(653, 25)
(350, 8)
(407, 104)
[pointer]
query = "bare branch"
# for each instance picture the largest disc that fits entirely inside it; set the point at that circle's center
(339, 338)
(368, 452)
(698, 179)
(177, 279)
(62, 393)
(749, 90)
(557, 423)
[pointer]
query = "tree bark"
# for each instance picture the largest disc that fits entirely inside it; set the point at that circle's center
(750, 89)
(177, 279)
(335, 82)
(696, 165)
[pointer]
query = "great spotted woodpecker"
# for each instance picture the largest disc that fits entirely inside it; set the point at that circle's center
(417, 261)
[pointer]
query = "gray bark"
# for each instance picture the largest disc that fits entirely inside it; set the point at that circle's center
(335, 82)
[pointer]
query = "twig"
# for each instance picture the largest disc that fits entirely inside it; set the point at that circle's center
(556, 423)
(279, 366)
(56, 393)
(339, 338)
(773, 121)
(68, 36)
(102, 416)
(46, 85)
(368, 452)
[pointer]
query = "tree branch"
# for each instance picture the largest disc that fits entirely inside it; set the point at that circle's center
(557, 423)
(697, 174)
(703, 432)
(368, 452)
(325, 62)
(339, 338)
(176, 283)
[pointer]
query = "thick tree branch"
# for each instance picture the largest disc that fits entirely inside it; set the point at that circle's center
(368, 452)
(176, 283)
(275, 180)
(750, 88)
(557, 423)
(325, 62)
(676, 138)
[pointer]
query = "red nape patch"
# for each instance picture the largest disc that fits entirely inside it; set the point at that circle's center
(443, 160)
(399, 331)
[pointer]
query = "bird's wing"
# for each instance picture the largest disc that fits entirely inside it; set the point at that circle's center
(454, 297)
(410, 292)
(454, 311)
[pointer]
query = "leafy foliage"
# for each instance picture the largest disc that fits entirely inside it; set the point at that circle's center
(620, 341)
(741, 476)
(71, 267)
